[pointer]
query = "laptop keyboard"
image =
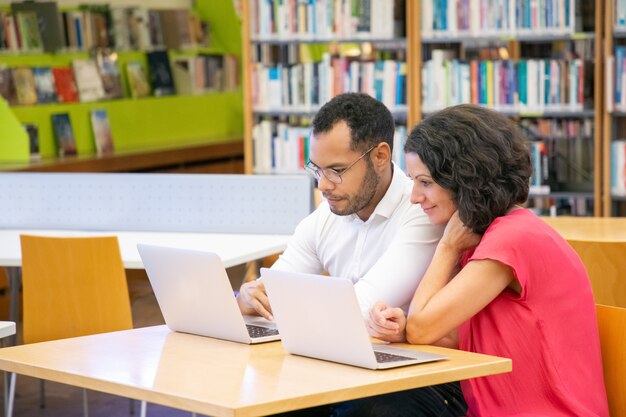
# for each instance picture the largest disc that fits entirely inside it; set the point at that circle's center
(260, 331)
(382, 357)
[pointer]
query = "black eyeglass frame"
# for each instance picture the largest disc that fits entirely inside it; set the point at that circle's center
(332, 175)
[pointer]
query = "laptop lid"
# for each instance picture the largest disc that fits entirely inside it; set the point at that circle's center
(319, 316)
(195, 295)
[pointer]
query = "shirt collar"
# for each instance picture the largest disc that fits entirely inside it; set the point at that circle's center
(387, 205)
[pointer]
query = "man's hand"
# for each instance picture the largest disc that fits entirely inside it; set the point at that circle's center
(386, 323)
(252, 300)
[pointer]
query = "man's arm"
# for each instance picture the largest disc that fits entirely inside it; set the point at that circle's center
(300, 256)
(397, 273)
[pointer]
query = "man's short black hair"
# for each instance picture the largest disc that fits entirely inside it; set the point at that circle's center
(370, 122)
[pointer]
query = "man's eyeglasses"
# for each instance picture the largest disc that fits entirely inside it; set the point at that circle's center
(332, 175)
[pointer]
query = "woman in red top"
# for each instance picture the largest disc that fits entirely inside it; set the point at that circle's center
(502, 282)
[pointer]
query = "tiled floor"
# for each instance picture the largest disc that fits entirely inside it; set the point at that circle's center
(67, 401)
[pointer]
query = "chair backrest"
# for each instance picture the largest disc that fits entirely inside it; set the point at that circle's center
(73, 286)
(606, 265)
(612, 327)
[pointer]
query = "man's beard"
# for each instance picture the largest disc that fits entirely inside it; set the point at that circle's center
(367, 191)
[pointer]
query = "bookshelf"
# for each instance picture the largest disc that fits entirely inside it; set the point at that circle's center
(213, 118)
(306, 55)
(614, 116)
(494, 62)
(581, 178)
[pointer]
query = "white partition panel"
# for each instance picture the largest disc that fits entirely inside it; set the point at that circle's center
(155, 202)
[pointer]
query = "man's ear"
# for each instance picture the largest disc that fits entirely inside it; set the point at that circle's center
(381, 155)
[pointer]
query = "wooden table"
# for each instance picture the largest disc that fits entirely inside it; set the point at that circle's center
(597, 229)
(220, 378)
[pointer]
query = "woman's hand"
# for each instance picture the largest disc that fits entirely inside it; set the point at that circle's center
(386, 323)
(459, 237)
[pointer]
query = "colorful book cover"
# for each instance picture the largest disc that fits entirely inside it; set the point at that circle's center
(161, 73)
(109, 73)
(33, 141)
(137, 80)
(44, 85)
(88, 80)
(63, 134)
(65, 85)
(29, 31)
(101, 128)
(24, 83)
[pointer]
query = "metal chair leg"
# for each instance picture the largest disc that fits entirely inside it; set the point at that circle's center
(144, 409)
(9, 391)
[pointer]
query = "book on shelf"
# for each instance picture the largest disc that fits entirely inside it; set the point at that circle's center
(139, 21)
(64, 83)
(176, 28)
(24, 83)
(184, 73)
(618, 167)
(88, 81)
(63, 134)
(44, 85)
(160, 73)
(120, 28)
(101, 129)
(106, 61)
(49, 22)
(137, 80)
(33, 141)
(28, 33)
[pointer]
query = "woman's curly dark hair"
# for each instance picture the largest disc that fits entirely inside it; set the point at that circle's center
(479, 156)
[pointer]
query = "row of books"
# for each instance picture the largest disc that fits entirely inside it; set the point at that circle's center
(570, 206)
(500, 17)
(531, 85)
(64, 138)
(305, 86)
(561, 153)
(89, 80)
(281, 146)
(618, 167)
(326, 19)
(40, 26)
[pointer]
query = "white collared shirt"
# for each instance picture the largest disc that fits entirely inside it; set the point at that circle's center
(385, 256)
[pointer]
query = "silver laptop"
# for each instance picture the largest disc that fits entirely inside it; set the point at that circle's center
(195, 296)
(319, 317)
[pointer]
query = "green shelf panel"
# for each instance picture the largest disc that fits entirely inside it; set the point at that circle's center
(144, 122)
(13, 138)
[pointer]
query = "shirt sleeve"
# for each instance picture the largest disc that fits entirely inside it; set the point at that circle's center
(397, 273)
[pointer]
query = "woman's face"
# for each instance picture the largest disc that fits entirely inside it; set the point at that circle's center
(435, 201)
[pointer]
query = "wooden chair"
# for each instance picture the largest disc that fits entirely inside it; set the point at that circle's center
(606, 265)
(73, 286)
(612, 328)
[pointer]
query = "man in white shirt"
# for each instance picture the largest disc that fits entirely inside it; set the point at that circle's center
(366, 230)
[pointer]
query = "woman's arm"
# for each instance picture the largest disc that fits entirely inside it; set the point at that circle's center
(440, 305)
